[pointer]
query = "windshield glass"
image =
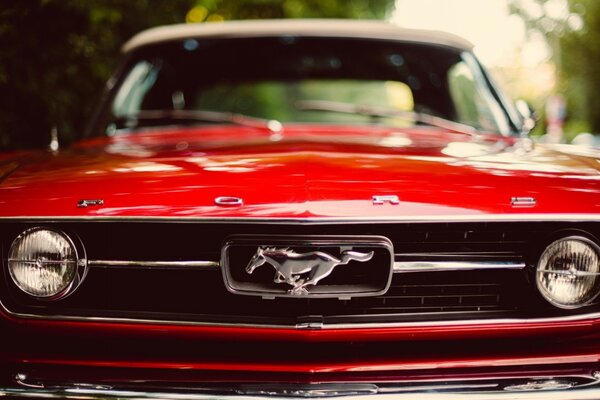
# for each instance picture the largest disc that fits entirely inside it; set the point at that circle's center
(270, 77)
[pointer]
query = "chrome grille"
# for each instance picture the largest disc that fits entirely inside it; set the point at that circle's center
(133, 287)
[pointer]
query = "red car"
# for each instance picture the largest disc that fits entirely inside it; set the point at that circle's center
(301, 209)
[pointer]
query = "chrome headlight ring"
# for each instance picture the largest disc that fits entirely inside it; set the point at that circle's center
(46, 263)
(568, 272)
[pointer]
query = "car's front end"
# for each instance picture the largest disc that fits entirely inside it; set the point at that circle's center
(410, 247)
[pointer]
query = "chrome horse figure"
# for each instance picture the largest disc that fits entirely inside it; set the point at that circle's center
(289, 265)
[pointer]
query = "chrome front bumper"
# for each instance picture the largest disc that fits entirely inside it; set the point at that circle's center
(547, 388)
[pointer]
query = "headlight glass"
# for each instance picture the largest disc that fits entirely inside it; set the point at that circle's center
(43, 262)
(568, 272)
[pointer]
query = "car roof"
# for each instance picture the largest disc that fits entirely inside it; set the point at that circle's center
(372, 29)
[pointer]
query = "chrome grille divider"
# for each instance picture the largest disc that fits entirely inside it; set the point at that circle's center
(399, 266)
(443, 266)
(208, 265)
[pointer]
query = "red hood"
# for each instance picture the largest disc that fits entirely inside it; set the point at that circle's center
(311, 172)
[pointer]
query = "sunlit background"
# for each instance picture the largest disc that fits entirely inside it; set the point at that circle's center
(520, 42)
(55, 55)
(499, 37)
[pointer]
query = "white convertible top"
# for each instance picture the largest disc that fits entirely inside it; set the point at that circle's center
(316, 27)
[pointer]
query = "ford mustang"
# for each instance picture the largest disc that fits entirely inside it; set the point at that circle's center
(301, 209)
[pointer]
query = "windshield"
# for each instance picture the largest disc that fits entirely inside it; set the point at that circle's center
(273, 78)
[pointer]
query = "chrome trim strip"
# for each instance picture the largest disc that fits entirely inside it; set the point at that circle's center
(208, 265)
(468, 322)
(532, 387)
(399, 266)
(108, 320)
(90, 394)
(516, 217)
(443, 266)
(300, 326)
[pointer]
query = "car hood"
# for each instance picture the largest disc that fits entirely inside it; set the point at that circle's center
(309, 172)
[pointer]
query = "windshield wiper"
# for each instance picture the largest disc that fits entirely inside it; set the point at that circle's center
(383, 112)
(138, 119)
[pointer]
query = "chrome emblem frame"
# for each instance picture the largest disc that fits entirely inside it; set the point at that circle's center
(289, 265)
(299, 265)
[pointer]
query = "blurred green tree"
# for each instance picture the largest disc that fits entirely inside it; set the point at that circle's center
(572, 30)
(55, 55)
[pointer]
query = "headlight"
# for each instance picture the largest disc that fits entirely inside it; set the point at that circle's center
(45, 263)
(568, 272)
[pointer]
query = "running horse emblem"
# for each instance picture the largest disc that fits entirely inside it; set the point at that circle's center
(290, 266)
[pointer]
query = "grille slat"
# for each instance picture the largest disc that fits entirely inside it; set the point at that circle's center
(430, 309)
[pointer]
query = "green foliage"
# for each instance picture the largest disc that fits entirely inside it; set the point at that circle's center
(574, 37)
(255, 9)
(573, 127)
(579, 58)
(55, 55)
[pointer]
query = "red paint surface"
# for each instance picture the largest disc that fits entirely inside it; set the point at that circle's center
(315, 171)
(315, 368)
